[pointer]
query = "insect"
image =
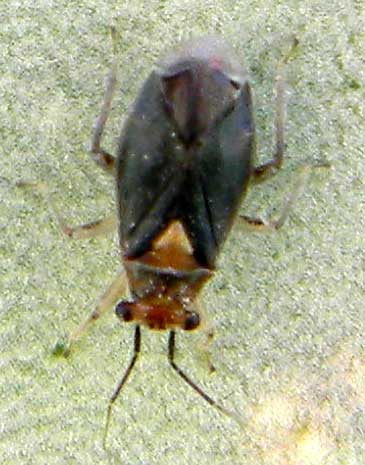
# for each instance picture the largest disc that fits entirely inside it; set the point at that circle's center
(185, 160)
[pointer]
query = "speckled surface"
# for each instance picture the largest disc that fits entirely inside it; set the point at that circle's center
(288, 307)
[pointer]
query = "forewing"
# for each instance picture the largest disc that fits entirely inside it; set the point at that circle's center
(219, 181)
(148, 175)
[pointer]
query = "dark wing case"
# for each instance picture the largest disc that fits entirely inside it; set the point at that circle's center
(159, 178)
(219, 180)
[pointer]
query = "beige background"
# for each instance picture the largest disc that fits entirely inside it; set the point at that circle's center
(289, 307)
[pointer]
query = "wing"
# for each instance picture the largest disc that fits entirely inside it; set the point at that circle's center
(185, 153)
(149, 174)
(215, 188)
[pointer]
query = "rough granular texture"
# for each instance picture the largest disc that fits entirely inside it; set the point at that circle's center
(288, 307)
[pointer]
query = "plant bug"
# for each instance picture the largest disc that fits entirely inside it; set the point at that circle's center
(185, 160)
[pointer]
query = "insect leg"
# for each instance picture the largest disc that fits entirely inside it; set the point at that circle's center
(299, 187)
(117, 289)
(270, 224)
(207, 327)
(100, 156)
(95, 228)
(270, 168)
(136, 351)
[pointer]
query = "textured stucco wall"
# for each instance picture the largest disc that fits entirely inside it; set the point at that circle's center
(288, 307)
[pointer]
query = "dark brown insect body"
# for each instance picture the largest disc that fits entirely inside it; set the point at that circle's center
(184, 161)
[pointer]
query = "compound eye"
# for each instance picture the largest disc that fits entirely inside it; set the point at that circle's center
(123, 311)
(192, 321)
